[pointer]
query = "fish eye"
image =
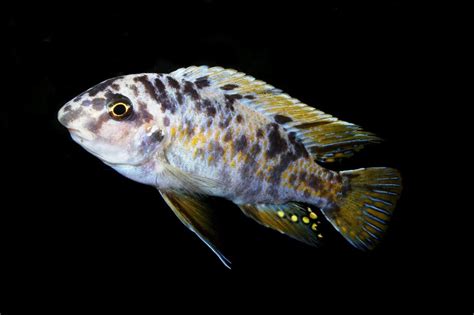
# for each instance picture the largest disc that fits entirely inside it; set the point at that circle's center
(120, 110)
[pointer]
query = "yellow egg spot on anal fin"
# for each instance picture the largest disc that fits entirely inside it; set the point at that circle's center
(305, 220)
(320, 235)
(281, 214)
(313, 215)
(314, 227)
(294, 218)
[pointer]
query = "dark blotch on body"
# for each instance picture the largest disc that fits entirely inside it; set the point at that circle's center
(217, 151)
(285, 161)
(160, 86)
(210, 109)
(166, 102)
(224, 123)
(228, 136)
(98, 103)
(148, 86)
(115, 86)
(202, 82)
(162, 97)
(142, 114)
(229, 87)
(86, 103)
(302, 176)
(157, 136)
(298, 148)
(292, 179)
(101, 86)
(259, 133)
(134, 89)
(179, 97)
(315, 183)
(239, 118)
(249, 168)
(173, 83)
(71, 115)
(166, 121)
(255, 149)
(95, 125)
(190, 90)
(277, 144)
(241, 143)
(281, 119)
(230, 100)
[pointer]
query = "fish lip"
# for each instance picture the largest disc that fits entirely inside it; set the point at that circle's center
(83, 143)
(79, 135)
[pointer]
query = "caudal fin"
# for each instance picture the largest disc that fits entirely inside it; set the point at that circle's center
(365, 205)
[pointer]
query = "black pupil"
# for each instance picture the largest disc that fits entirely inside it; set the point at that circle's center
(120, 109)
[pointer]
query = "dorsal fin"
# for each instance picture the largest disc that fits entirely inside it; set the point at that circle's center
(323, 135)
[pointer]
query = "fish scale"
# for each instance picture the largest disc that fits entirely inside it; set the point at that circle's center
(202, 131)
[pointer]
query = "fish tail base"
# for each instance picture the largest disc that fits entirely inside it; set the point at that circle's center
(364, 205)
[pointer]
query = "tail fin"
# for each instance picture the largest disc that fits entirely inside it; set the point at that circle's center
(365, 205)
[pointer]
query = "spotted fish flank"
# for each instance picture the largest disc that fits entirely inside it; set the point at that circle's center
(211, 131)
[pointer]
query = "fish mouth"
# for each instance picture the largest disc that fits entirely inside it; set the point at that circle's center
(80, 136)
(83, 142)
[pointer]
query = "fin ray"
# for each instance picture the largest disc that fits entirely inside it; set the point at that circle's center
(291, 219)
(361, 214)
(196, 216)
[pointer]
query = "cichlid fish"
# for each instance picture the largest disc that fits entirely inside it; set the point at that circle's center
(202, 131)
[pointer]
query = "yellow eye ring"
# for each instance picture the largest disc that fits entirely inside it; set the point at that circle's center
(119, 110)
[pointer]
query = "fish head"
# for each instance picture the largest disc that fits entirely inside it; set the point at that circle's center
(117, 120)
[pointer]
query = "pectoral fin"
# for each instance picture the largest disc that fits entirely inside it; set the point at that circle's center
(198, 217)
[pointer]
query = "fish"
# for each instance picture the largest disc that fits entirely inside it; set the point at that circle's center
(201, 132)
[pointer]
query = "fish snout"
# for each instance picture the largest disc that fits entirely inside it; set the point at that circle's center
(69, 116)
(66, 115)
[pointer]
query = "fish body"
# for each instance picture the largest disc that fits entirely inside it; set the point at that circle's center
(202, 131)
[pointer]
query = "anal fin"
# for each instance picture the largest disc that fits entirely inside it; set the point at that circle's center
(193, 212)
(291, 219)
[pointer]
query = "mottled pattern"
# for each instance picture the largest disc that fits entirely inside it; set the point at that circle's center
(217, 132)
(209, 131)
(214, 134)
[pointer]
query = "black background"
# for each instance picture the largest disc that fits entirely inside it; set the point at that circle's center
(74, 225)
